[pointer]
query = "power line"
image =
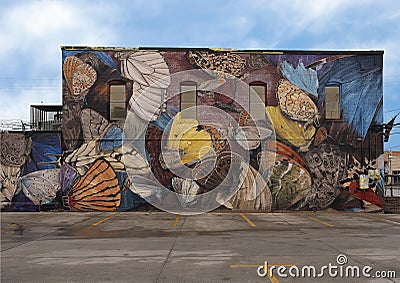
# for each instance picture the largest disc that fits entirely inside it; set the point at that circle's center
(391, 110)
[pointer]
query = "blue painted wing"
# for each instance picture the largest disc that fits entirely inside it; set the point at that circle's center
(44, 151)
(293, 59)
(100, 54)
(305, 79)
(111, 138)
(162, 121)
(360, 80)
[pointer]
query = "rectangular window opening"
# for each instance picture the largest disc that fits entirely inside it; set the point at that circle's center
(332, 102)
(257, 109)
(117, 102)
(188, 99)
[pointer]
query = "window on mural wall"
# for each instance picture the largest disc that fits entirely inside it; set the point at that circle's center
(332, 102)
(117, 102)
(257, 95)
(188, 93)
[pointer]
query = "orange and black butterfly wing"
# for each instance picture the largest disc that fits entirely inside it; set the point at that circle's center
(97, 190)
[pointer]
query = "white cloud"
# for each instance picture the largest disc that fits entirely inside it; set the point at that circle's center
(32, 32)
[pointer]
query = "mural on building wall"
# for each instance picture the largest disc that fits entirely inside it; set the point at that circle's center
(313, 163)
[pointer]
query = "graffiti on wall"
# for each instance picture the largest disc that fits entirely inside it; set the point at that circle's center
(297, 158)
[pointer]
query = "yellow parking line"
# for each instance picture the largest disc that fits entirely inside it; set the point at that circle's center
(176, 220)
(105, 219)
(318, 220)
(378, 218)
(248, 220)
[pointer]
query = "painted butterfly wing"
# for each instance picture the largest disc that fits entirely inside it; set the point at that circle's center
(185, 136)
(71, 129)
(8, 180)
(97, 190)
(287, 153)
(151, 77)
(111, 138)
(291, 131)
(249, 137)
(15, 149)
(221, 63)
(219, 137)
(83, 157)
(45, 152)
(79, 76)
(68, 176)
(147, 103)
(211, 85)
(245, 119)
(304, 78)
(225, 161)
(290, 179)
(253, 194)
(320, 136)
(135, 163)
(290, 183)
(327, 164)
(187, 190)
(153, 149)
(295, 103)
(257, 61)
(41, 186)
(86, 149)
(93, 124)
(145, 187)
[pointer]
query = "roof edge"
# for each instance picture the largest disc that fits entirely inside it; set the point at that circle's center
(259, 51)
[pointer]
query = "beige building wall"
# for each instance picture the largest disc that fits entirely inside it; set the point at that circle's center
(392, 165)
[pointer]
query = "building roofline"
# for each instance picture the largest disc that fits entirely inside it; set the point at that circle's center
(259, 51)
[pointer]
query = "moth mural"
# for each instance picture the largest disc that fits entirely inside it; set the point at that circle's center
(310, 142)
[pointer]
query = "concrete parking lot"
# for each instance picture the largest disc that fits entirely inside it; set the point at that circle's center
(213, 247)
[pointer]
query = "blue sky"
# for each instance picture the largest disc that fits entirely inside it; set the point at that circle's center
(33, 31)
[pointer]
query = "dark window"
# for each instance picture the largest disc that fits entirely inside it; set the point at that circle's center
(117, 102)
(188, 91)
(257, 93)
(332, 102)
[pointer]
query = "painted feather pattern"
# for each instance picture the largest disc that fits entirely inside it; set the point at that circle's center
(150, 74)
(97, 190)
